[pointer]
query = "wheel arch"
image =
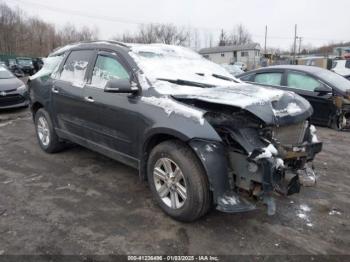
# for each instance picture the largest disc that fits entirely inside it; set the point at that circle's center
(154, 138)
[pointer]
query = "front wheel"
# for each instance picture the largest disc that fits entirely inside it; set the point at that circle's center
(46, 135)
(178, 181)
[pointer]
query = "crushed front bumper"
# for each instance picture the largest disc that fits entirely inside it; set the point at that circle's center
(235, 176)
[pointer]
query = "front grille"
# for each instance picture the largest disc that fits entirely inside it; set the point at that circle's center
(291, 134)
(9, 100)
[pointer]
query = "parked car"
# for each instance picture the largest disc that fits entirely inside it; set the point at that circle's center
(233, 69)
(14, 68)
(3, 64)
(26, 65)
(241, 66)
(198, 135)
(341, 67)
(13, 92)
(328, 93)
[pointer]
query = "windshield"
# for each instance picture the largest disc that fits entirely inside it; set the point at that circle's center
(334, 79)
(25, 62)
(166, 62)
(51, 63)
(5, 74)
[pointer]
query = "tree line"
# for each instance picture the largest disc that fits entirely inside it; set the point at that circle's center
(31, 36)
(25, 35)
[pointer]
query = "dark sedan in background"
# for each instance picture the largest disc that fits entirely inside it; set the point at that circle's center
(327, 92)
(13, 92)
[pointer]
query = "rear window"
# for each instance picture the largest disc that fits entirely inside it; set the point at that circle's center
(273, 79)
(74, 69)
(334, 79)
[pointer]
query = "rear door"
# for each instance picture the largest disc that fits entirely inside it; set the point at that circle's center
(304, 85)
(67, 92)
(111, 117)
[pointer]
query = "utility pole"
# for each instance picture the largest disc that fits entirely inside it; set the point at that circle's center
(295, 43)
(300, 38)
(265, 39)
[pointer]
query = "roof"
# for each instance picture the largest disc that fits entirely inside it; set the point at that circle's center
(92, 43)
(309, 69)
(230, 48)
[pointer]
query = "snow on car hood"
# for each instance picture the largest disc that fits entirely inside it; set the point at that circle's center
(159, 61)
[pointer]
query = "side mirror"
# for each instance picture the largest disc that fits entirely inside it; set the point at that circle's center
(322, 89)
(121, 86)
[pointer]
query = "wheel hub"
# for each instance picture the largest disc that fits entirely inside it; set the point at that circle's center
(170, 183)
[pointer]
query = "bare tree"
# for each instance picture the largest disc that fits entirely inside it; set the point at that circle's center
(31, 36)
(238, 36)
(223, 38)
(157, 33)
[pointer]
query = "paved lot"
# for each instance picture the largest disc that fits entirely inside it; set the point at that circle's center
(79, 202)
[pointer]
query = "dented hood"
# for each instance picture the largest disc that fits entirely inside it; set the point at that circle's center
(273, 106)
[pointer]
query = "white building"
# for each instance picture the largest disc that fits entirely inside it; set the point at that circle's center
(248, 54)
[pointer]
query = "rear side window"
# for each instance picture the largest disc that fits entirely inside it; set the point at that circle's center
(74, 69)
(273, 79)
(302, 82)
(247, 77)
(107, 68)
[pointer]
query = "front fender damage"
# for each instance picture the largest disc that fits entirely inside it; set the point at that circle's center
(256, 162)
(213, 157)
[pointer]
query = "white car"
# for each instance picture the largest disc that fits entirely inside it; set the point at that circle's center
(342, 67)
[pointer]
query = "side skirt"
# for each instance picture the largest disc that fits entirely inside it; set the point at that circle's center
(116, 155)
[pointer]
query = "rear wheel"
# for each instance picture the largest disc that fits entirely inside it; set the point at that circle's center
(47, 138)
(339, 122)
(178, 181)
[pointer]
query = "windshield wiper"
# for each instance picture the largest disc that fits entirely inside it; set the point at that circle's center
(185, 82)
(225, 78)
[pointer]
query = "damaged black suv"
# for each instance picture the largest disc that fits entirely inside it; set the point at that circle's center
(200, 137)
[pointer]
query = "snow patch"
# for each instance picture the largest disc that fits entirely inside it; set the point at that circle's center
(313, 132)
(171, 106)
(334, 212)
(305, 208)
(229, 200)
(291, 109)
(268, 152)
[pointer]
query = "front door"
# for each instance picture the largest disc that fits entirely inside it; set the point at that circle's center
(304, 85)
(111, 117)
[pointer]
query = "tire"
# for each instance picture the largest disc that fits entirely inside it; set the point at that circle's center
(43, 126)
(191, 177)
(338, 122)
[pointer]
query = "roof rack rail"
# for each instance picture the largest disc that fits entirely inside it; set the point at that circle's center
(107, 41)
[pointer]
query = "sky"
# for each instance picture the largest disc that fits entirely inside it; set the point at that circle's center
(318, 21)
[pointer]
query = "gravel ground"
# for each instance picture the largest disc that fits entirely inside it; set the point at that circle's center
(80, 202)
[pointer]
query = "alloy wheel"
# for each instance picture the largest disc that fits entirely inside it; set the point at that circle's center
(170, 183)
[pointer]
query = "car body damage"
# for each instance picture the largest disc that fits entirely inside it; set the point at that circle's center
(251, 141)
(267, 151)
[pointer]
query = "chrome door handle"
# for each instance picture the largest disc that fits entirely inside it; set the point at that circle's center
(54, 90)
(89, 99)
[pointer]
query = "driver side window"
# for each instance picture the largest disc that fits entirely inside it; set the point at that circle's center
(302, 82)
(105, 69)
